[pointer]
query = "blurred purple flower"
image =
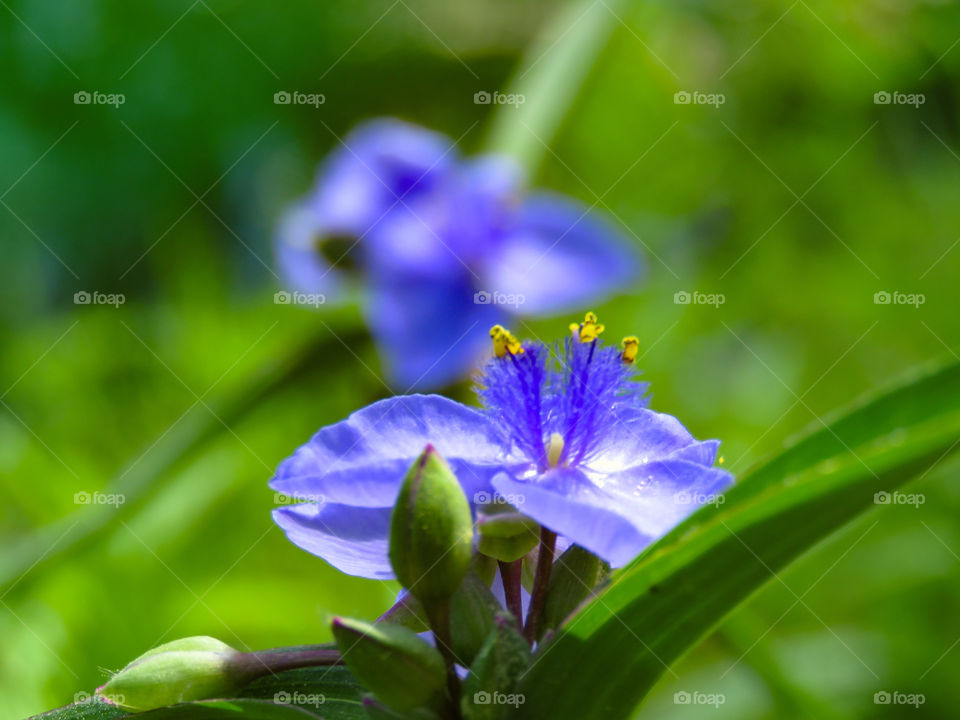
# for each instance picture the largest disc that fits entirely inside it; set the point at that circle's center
(445, 247)
(564, 434)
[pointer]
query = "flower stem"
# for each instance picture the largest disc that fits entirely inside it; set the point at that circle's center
(264, 662)
(510, 573)
(439, 616)
(541, 581)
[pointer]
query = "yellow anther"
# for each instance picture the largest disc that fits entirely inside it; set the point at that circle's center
(554, 449)
(720, 461)
(630, 345)
(587, 331)
(504, 342)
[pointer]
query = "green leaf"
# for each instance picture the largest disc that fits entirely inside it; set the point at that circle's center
(236, 709)
(683, 585)
(213, 709)
(328, 692)
(550, 78)
(188, 437)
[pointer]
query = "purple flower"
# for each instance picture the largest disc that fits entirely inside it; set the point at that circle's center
(448, 244)
(564, 434)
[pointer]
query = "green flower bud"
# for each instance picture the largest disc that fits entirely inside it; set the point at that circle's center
(402, 670)
(180, 671)
(507, 536)
(431, 531)
(575, 575)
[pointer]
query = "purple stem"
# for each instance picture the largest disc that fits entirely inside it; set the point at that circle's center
(541, 581)
(510, 574)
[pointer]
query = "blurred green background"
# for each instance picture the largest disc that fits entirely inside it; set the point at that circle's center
(798, 198)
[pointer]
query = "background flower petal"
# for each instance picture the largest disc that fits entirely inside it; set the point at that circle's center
(559, 256)
(301, 265)
(430, 332)
(376, 165)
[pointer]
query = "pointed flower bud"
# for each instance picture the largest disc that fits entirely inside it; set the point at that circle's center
(402, 670)
(431, 531)
(180, 671)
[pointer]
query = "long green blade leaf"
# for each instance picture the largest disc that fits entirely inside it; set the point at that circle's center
(327, 692)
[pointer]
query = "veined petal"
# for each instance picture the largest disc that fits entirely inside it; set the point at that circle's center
(361, 461)
(354, 540)
(658, 495)
(561, 256)
(640, 436)
(618, 516)
(565, 501)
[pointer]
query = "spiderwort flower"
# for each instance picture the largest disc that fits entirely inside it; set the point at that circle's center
(564, 433)
(452, 245)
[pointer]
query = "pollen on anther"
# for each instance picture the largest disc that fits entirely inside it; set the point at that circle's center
(587, 331)
(630, 345)
(504, 342)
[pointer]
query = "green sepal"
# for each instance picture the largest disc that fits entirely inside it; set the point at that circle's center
(473, 615)
(574, 578)
(473, 609)
(376, 711)
(402, 670)
(431, 531)
(406, 612)
(489, 692)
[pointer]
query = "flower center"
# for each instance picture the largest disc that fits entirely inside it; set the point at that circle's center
(554, 449)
